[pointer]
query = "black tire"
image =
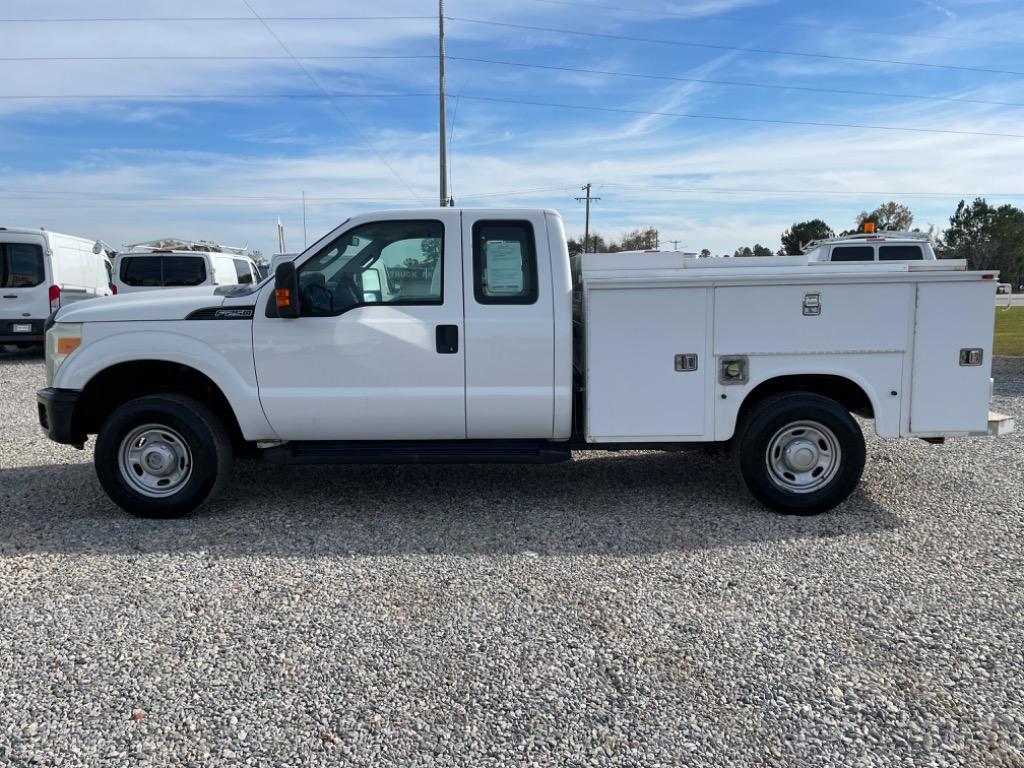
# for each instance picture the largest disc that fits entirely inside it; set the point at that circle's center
(190, 424)
(793, 416)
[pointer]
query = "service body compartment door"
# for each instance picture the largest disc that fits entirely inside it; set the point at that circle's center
(636, 392)
(947, 397)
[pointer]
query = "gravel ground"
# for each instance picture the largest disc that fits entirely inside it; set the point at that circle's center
(621, 610)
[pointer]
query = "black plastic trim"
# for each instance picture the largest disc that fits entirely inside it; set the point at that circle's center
(8, 336)
(57, 414)
(419, 452)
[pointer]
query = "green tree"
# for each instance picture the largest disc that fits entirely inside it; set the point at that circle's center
(801, 233)
(705, 253)
(988, 237)
(745, 252)
(639, 240)
(760, 250)
(888, 217)
(595, 242)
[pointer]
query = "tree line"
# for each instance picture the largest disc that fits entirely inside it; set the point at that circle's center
(989, 237)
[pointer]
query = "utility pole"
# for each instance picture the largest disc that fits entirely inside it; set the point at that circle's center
(675, 244)
(443, 118)
(586, 225)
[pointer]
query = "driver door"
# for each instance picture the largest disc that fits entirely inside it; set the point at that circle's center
(377, 353)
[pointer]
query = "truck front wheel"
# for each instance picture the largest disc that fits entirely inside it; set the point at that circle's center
(162, 456)
(799, 453)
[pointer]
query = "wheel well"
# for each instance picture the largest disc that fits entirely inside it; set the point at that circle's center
(115, 386)
(847, 393)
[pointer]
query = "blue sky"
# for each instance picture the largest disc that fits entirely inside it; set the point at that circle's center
(225, 168)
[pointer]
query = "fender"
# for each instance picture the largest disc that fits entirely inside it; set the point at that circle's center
(877, 375)
(229, 365)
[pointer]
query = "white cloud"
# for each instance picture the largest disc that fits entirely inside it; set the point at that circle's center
(639, 163)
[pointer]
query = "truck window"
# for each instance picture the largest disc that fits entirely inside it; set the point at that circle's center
(504, 262)
(21, 265)
(853, 253)
(900, 253)
(383, 262)
(243, 272)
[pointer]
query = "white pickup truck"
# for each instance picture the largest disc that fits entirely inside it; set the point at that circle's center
(450, 335)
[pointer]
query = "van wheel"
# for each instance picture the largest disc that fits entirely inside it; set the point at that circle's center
(162, 456)
(799, 454)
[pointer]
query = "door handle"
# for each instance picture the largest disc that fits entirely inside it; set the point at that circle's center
(447, 338)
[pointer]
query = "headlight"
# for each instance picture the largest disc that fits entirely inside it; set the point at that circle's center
(61, 340)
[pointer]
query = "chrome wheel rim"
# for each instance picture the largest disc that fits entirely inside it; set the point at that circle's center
(803, 457)
(155, 460)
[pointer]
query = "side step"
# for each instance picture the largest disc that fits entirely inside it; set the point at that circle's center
(418, 452)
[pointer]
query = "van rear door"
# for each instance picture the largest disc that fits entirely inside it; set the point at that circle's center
(24, 285)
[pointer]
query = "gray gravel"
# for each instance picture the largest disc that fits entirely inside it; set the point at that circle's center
(621, 610)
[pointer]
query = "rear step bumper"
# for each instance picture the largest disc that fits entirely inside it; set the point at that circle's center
(999, 424)
(419, 452)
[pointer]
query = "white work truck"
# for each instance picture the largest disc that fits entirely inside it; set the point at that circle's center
(450, 335)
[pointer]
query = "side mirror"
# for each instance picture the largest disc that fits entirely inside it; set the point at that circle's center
(286, 290)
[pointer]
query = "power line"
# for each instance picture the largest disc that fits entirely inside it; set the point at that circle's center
(712, 46)
(740, 83)
(201, 96)
(770, 121)
(330, 100)
(104, 19)
(329, 96)
(776, 192)
(127, 197)
(760, 22)
(567, 3)
(206, 58)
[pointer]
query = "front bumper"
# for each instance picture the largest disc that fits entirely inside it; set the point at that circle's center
(57, 415)
(35, 334)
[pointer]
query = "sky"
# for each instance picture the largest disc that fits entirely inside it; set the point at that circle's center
(211, 119)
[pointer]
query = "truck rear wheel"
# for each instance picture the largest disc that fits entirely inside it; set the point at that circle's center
(162, 456)
(799, 453)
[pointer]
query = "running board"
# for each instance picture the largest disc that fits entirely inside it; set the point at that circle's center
(418, 452)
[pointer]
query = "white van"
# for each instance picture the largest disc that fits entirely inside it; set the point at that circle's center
(181, 263)
(41, 271)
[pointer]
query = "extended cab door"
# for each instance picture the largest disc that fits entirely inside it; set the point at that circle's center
(378, 352)
(510, 326)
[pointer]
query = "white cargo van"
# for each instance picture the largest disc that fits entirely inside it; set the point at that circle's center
(181, 264)
(41, 271)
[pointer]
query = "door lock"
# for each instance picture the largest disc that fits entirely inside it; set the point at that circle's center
(686, 363)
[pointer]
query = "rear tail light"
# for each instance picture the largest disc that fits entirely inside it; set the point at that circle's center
(113, 289)
(54, 298)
